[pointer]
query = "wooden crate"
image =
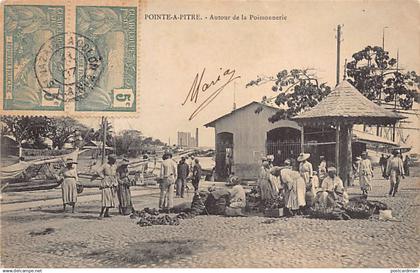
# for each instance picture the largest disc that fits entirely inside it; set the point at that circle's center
(274, 213)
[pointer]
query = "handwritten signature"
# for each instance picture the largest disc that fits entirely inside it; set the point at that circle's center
(198, 85)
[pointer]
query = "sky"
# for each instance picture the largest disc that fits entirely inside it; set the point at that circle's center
(173, 52)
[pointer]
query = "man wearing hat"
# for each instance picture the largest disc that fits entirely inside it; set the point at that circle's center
(123, 189)
(365, 172)
(332, 182)
(183, 170)
(68, 186)
(394, 170)
(196, 174)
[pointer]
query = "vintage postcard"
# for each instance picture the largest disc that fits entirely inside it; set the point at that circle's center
(210, 134)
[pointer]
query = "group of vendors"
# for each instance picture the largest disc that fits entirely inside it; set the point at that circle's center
(298, 185)
(301, 187)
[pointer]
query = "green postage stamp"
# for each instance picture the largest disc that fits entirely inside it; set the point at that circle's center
(26, 29)
(70, 60)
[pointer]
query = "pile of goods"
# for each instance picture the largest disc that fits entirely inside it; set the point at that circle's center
(150, 217)
(217, 201)
(275, 207)
(253, 200)
(360, 208)
(333, 208)
(276, 203)
(198, 207)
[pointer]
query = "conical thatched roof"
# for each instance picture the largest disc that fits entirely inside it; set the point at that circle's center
(345, 104)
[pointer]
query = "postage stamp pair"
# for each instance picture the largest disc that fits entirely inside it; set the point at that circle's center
(69, 59)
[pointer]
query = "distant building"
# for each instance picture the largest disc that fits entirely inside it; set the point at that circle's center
(192, 142)
(186, 140)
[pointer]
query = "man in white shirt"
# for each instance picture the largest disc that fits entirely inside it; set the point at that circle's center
(168, 173)
(332, 185)
(365, 171)
(332, 182)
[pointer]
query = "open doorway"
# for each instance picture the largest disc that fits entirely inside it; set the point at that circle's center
(224, 154)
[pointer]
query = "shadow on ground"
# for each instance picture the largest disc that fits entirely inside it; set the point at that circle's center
(148, 253)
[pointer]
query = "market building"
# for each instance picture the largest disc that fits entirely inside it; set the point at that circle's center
(246, 134)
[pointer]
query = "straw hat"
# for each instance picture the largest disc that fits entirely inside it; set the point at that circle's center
(332, 169)
(263, 158)
(303, 156)
(70, 161)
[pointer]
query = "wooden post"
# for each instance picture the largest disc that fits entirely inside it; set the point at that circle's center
(349, 156)
(337, 147)
(393, 132)
(302, 140)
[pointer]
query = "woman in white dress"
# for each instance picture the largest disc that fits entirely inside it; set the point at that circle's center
(68, 186)
(305, 167)
(295, 192)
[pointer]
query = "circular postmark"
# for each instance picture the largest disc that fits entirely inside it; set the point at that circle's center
(67, 66)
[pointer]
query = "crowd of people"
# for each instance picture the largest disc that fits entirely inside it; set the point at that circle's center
(298, 184)
(301, 187)
(115, 183)
(295, 181)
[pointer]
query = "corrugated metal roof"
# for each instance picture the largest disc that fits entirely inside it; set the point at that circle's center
(369, 138)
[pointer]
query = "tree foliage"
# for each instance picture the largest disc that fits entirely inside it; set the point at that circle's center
(374, 73)
(131, 142)
(63, 130)
(28, 129)
(34, 129)
(296, 90)
(127, 139)
(66, 129)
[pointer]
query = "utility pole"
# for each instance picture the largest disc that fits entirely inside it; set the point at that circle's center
(234, 96)
(378, 127)
(338, 52)
(383, 38)
(104, 129)
(395, 97)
